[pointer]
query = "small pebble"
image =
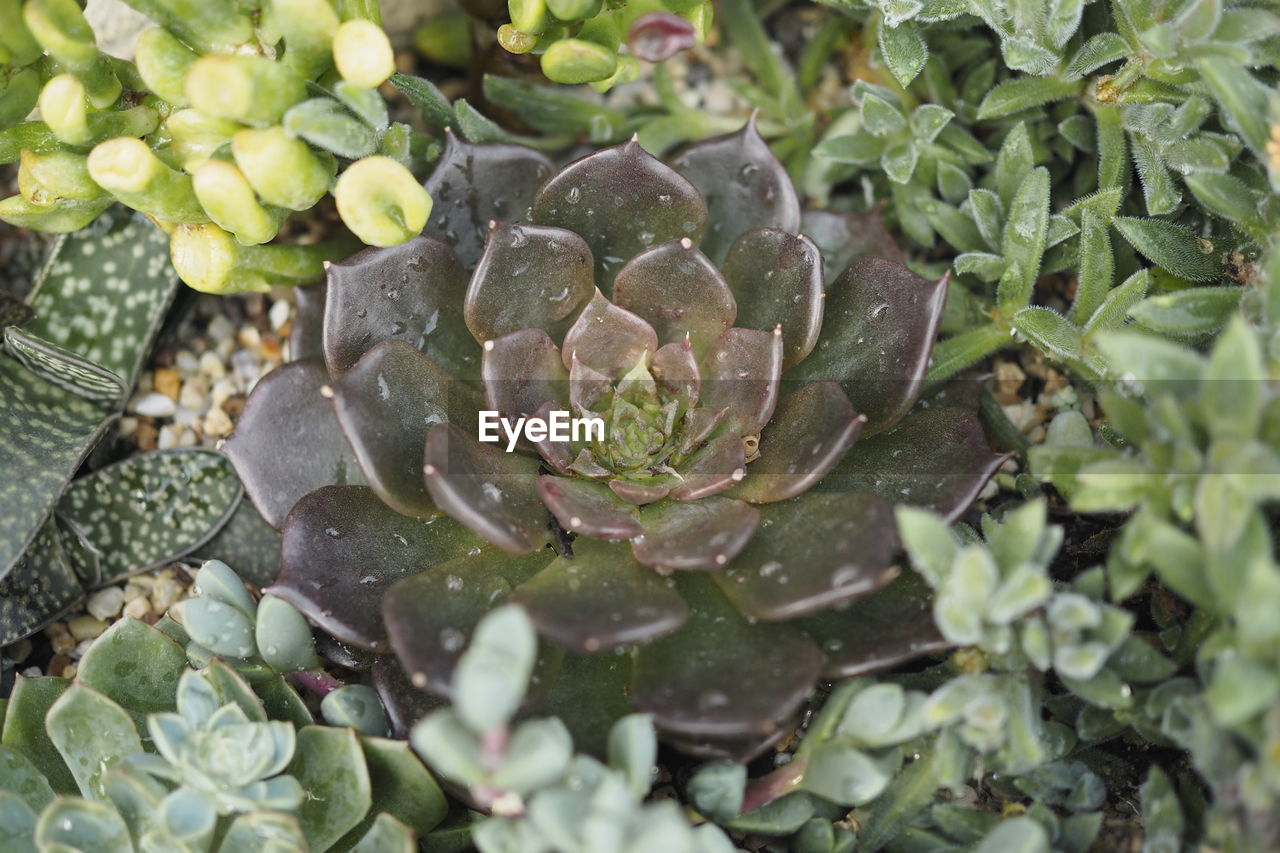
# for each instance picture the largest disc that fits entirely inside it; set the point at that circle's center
(166, 381)
(58, 663)
(169, 435)
(138, 608)
(86, 628)
(195, 392)
(249, 338)
(68, 671)
(187, 362)
(278, 314)
(154, 405)
(62, 643)
(167, 592)
(220, 329)
(212, 366)
(106, 603)
(216, 423)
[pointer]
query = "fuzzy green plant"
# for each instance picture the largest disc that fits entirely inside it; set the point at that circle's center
(230, 119)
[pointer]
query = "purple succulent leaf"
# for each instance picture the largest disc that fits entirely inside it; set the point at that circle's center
(601, 598)
(845, 237)
(589, 508)
(343, 548)
(639, 494)
(700, 423)
(880, 323)
(934, 458)
(385, 405)
(720, 675)
(586, 464)
(589, 693)
(412, 292)
(717, 466)
(589, 389)
(660, 35)
(306, 334)
(879, 631)
(492, 492)
(521, 371)
(744, 185)
(557, 454)
(964, 392)
(288, 441)
(529, 277)
(472, 185)
(812, 429)
(694, 535)
(741, 373)
(608, 339)
(776, 278)
(741, 750)
(430, 615)
(622, 200)
(812, 553)
(679, 292)
(675, 369)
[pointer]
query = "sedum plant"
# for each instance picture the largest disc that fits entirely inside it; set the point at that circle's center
(231, 118)
(689, 559)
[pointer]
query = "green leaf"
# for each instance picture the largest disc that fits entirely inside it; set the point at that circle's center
(1243, 99)
(928, 120)
(1097, 267)
(904, 50)
(44, 582)
(330, 766)
(844, 775)
(1101, 49)
(386, 835)
(554, 109)
(1014, 162)
(1114, 310)
(402, 787)
(1113, 155)
(152, 509)
(493, 673)
(1187, 313)
(1024, 241)
(436, 111)
(1016, 835)
(860, 149)
(1050, 332)
(880, 115)
(92, 734)
(1157, 185)
(1149, 358)
(1173, 247)
(958, 352)
(17, 824)
(717, 789)
(1232, 199)
(19, 776)
(326, 124)
(24, 729)
(75, 824)
(135, 666)
(1232, 388)
(1022, 93)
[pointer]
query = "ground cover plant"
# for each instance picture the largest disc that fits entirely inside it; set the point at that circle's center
(932, 347)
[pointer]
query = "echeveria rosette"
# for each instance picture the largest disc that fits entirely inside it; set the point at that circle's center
(731, 536)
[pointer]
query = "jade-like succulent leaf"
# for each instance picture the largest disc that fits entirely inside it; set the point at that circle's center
(812, 553)
(264, 831)
(521, 372)
(152, 509)
(492, 492)
(92, 734)
(402, 787)
(776, 278)
(306, 335)
(329, 765)
(703, 534)
(530, 277)
(45, 433)
(716, 467)
(880, 323)
(20, 777)
(936, 458)
(720, 674)
(288, 441)
(590, 508)
(678, 292)
(413, 292)
(385, 405)
(608, 339)
(621, 200)
(384, 833)
(343, 548)
(24, 728)
(744, 186)
(472, 185)
(740, 373)
(136, 666)
(812, 429)
(105, 293)
(845, 237)
(429, 616)
(601, 598)
(17, 823)
(878, 632)
(41, 585)
(76, 824)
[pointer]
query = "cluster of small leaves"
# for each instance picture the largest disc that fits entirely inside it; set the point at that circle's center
(541, 796)
(602, 43)
(231, 117)
(233, 765)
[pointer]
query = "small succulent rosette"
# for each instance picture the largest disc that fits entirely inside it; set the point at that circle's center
(715, 537)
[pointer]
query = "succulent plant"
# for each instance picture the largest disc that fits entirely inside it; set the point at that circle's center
(589, 41)
(234, 767)
(230, 118)
(720, 517)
